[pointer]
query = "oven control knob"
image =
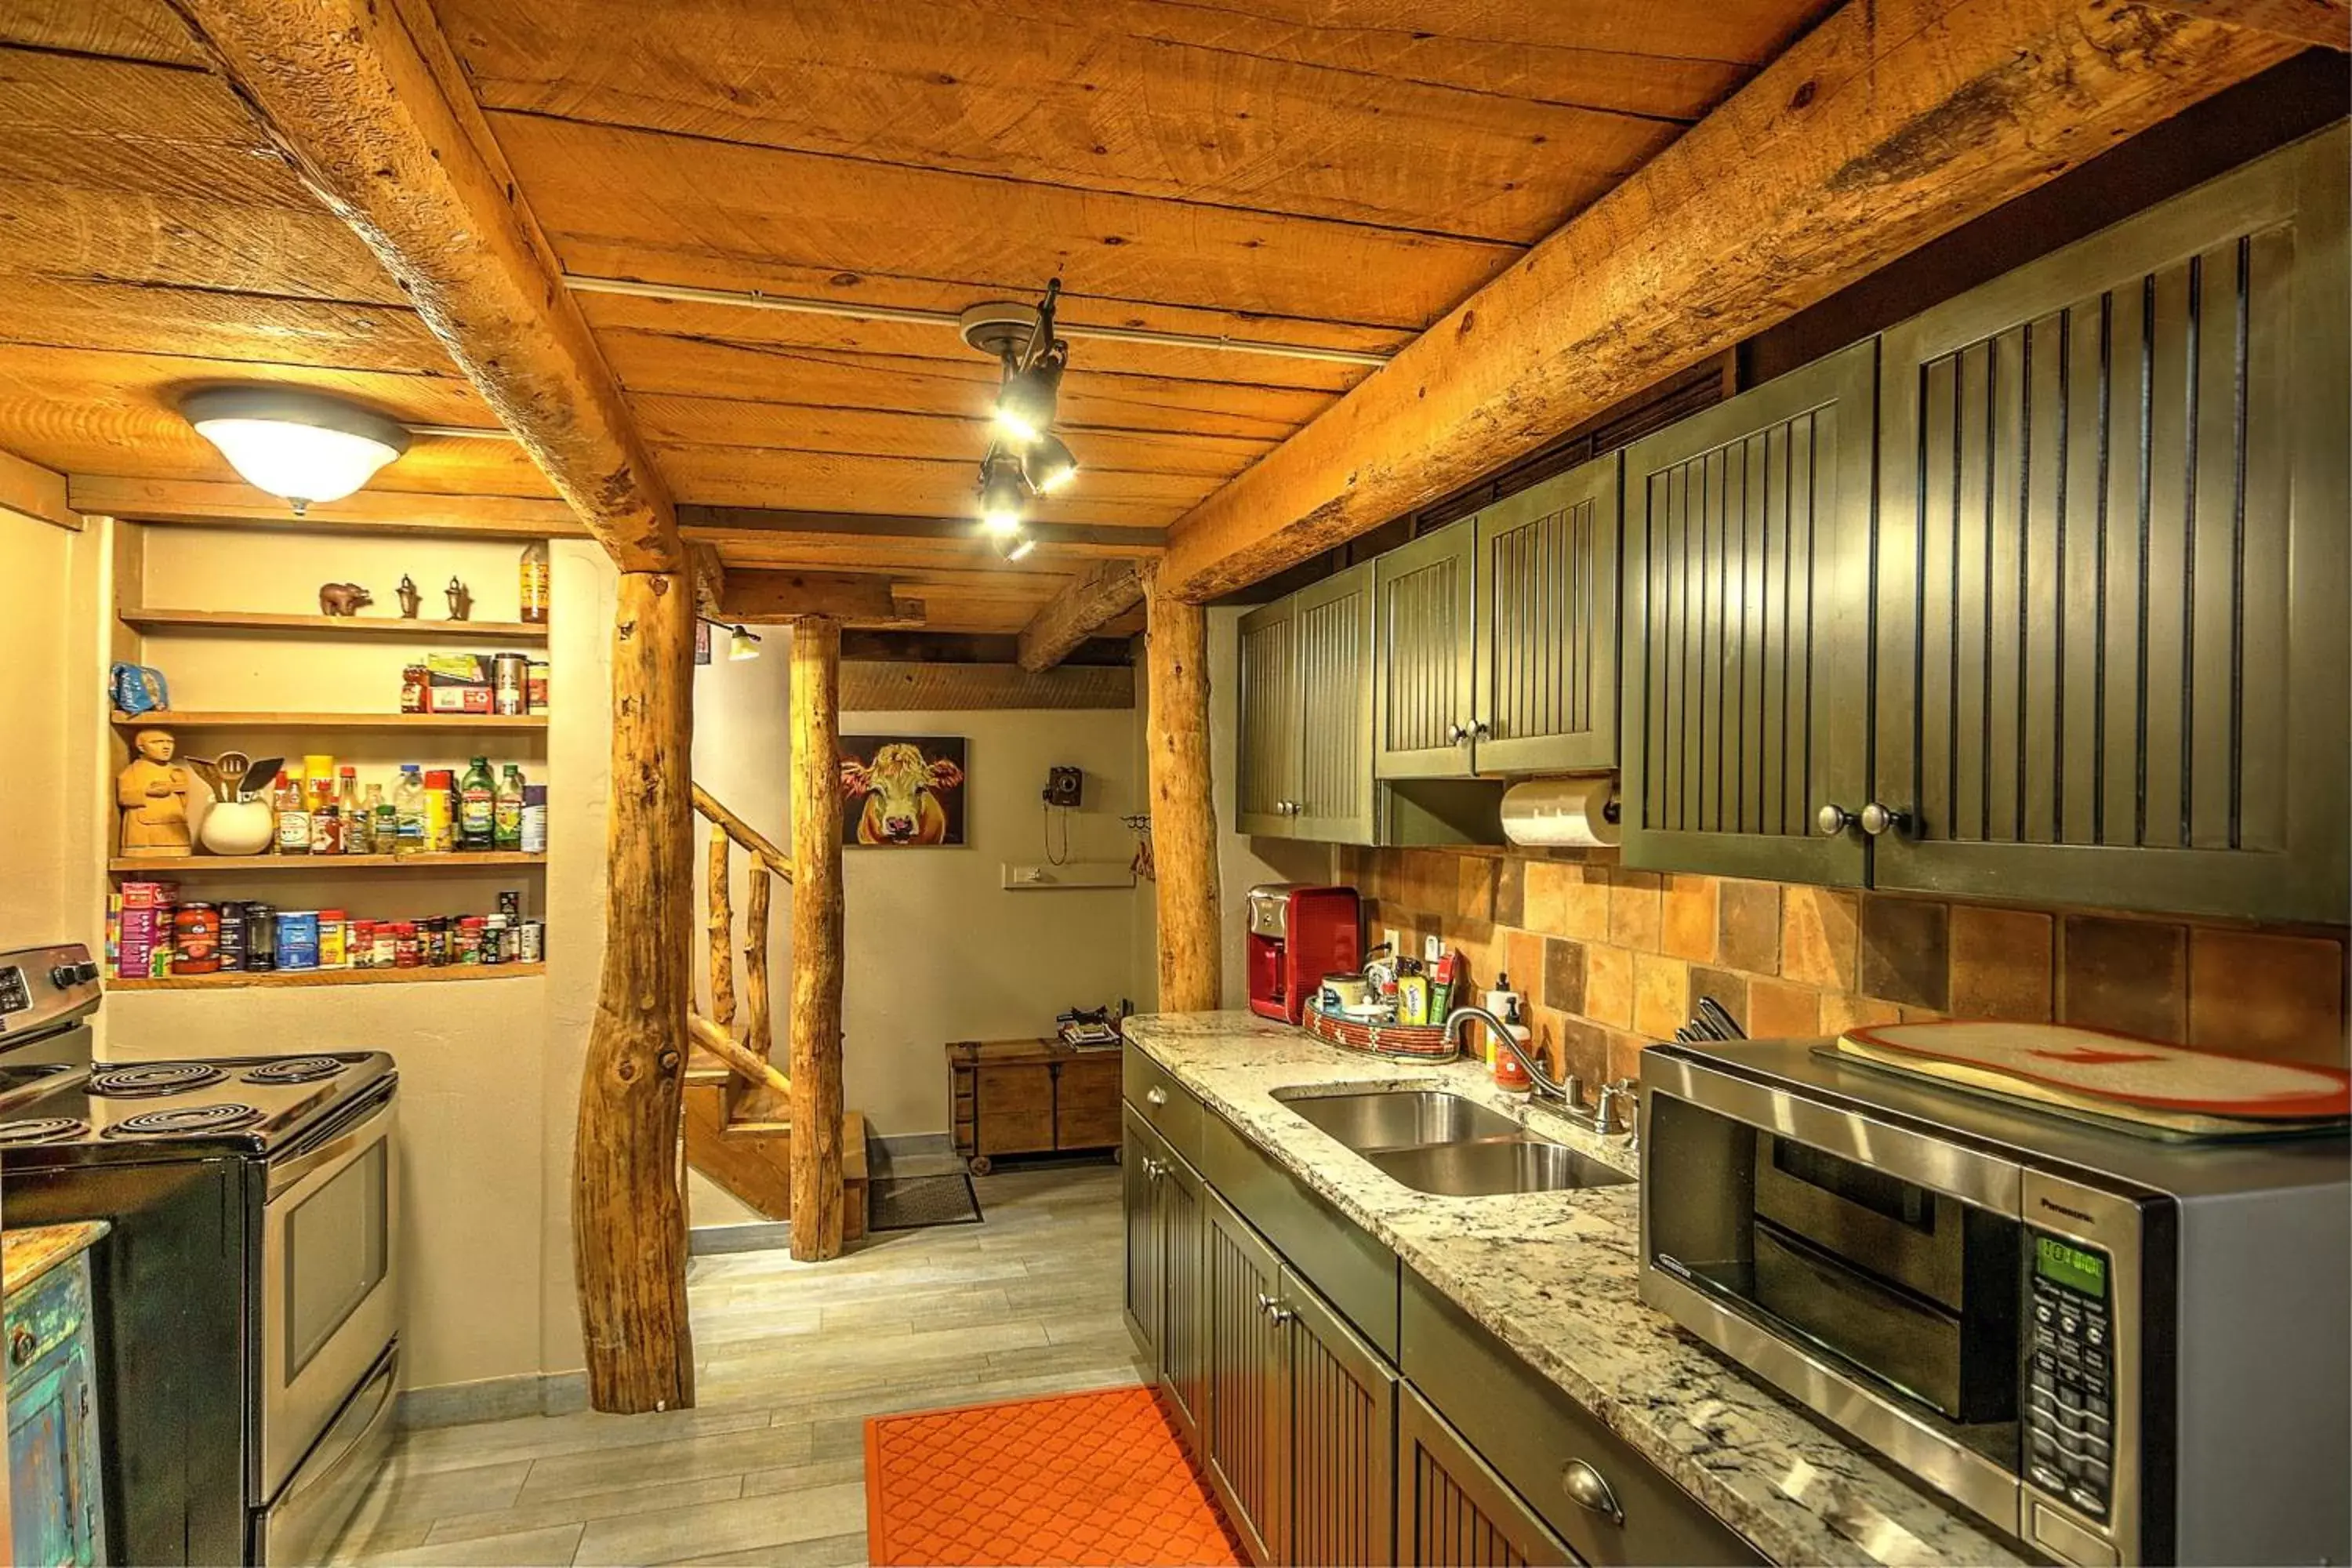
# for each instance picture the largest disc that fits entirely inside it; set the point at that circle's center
(65, 976)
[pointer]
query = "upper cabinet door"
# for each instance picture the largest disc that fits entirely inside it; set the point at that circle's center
(1332, 635)
(1545, 675)
(1266, 776)
(1747, 620)
(2111, 573)
(1423, 606)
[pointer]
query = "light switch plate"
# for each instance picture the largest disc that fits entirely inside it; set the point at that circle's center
(1389, 935)
(1432, 948)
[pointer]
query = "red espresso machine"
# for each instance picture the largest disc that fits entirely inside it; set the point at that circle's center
(1298, 935)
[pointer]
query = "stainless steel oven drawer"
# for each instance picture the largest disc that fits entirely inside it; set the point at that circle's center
(301, 1524)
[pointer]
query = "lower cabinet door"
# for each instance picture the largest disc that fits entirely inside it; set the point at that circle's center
(1248, 1383)
(1342, 1420)
(1140, 1157)
(1180, 1211)
(1452, 1510)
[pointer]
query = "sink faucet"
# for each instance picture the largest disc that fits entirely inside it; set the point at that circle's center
(1565, 1095)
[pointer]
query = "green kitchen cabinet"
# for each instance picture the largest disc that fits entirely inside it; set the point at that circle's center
(1544, 643)
(1304, 726)
(1247, 1426)
(2112, 656)
(1747, 619)
(56, 1492)
(1452, 1510)
(1423, 606)
(1164, 1212)
(1342, 1396)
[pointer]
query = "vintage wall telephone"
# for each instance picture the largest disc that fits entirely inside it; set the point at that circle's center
(1066, 787)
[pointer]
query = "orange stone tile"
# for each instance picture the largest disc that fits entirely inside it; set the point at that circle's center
(2000, 964)
(1625, 1056)
(1543, 891)
(1661, 994)
(2131, 976)
(2254, 993)
(1748, 929)
(1523, 955)
(1842, 1011)
(1609, 985)
(1474, 893)
(1686, 918)
(1634, 910)
(1820, 936)
(1780, 1011)
(1584, 1049)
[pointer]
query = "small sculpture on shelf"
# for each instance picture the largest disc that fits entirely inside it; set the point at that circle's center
(343, 598)
(461, 601)
(408, 596)
(154, 795)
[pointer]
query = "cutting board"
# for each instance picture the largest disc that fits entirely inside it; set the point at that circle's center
(2164, 1090)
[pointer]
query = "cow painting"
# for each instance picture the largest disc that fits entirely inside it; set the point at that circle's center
(905, 791)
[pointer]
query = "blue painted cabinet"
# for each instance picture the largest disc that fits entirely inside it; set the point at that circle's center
(55, 1491)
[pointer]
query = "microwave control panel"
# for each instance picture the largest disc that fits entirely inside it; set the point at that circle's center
(2069, 1415)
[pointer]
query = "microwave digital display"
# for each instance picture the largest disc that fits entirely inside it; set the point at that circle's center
(2071, 1267)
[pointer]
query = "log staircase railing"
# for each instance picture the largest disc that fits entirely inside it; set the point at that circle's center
(758, 1091)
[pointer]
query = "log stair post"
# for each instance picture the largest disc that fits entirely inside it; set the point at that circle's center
(738, 1104)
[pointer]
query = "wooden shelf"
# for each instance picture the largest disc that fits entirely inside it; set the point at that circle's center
(213, 719)
(242, 623)
(180, 865)
(243, 979)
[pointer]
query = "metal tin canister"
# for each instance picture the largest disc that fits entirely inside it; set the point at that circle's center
(260, 936)
(297, 939)
(508, 671)
(534, 942)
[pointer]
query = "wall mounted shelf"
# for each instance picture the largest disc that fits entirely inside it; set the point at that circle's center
(245, 979)
(460, 861)
(249, 623)
(208, 719)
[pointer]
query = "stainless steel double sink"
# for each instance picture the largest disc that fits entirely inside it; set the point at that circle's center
(1433, 1142)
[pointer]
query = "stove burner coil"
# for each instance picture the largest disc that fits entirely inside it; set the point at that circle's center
(42, 1129)
(148, 1079)
(296, 1070)
(222, 1116)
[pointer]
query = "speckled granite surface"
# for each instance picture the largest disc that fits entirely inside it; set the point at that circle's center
(1552, 1275)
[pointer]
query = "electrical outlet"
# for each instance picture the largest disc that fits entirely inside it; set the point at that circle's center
(1431, 948)
(1389, 935)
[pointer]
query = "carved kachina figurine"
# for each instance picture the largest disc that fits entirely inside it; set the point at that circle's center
(343, 598)
(154, 795)
(408, 596)
(461, 602)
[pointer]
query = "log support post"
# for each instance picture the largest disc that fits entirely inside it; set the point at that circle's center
(1183, 816)
(628, 1222)
(816, 939)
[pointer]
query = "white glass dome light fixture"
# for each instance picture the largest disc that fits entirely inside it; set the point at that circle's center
(292, 442)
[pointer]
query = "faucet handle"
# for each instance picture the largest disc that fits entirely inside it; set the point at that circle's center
(1604, 1111)
(1571, 1093)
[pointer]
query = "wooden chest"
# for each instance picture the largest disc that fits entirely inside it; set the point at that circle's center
(1030, 1097)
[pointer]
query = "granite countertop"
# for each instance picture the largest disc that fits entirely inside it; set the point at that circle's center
(27, 1253)
(1552, 1275)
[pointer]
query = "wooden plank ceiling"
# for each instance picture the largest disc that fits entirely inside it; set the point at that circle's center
(1326, 174)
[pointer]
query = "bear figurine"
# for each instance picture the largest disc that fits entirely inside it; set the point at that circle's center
(343, 598)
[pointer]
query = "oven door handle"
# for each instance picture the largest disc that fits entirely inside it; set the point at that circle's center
(290, 1174)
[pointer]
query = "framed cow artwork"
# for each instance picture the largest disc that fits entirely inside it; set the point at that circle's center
(902, 791)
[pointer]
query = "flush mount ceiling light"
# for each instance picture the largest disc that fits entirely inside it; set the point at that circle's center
(304, 445)
(1025, 459)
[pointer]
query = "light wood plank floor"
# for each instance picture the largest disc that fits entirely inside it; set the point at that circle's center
(792, 1359)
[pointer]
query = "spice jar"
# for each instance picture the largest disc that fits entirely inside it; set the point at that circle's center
(469, 940)
(334, 951)
(410, 951)
(387, 944)
(414, 681)
(434, 941)
(359, 944)
(196, 938)
(494, 939)
(534, 942)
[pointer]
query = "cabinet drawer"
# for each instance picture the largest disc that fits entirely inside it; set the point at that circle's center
(1168, 1106)
(1355, 1273)
(1086, 1104)
(1531, 1433)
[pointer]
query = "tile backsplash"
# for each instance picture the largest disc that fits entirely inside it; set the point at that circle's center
(1612, 959)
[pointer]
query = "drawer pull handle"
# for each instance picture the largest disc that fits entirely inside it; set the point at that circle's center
(21, 1346)
(1588, 1488)
(1155, 1096)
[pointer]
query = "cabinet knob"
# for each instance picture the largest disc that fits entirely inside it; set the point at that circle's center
(1155, 1096)
(1877, 819)
(1274, 1310)
(1588, 1488)
(1832, 820)
(1478, 729)
(21, 1346)
(1457, 734)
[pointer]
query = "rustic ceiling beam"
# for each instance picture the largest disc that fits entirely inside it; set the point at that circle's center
(861, 598)
(217, 503)
(1094, 598)
(368, 104)
(1889, 124)
(721, 524)
(35, 491)
(2325, 23)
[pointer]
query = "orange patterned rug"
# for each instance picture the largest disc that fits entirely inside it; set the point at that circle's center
(1079, 1479)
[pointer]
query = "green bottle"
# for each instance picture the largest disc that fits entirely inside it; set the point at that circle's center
(506, 820)
(478, 807)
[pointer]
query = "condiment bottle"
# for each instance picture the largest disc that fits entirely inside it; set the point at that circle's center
(293, 816)
(534, 584)
(477, 808)
(360, 825)
(534, 819)
(440, 816)
(347, 807)
(413, 833)
(506, 828)
(1510, 1073)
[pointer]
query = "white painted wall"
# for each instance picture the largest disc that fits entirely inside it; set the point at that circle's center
(52, 726)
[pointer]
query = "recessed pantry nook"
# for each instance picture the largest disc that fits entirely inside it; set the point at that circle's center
(1300, 785)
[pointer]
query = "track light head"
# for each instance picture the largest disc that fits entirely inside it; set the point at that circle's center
(1004, 493)
(1025, 402)
(1049, 464)
(1015, 546)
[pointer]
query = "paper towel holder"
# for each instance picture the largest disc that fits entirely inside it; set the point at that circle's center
(1570, 810)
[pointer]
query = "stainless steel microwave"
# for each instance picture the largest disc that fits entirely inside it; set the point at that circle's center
(2115, 1349)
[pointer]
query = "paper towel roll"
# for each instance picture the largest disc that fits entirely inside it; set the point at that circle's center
(1562, 812)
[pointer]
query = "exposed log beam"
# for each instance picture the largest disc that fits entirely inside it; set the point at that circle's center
(730, 525)
(710, 574)
(871, 686)
(817, 967)
(1093, 599)
(864, 598)
(367, 102)
(2325, 23)
(218, 503)
(628, 1222)
(1183, 814)
(1891, 122)
(35, 491)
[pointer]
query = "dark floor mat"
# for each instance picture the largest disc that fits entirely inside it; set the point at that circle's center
(911, 1203)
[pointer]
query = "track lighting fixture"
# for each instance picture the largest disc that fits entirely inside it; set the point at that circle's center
(1004, 493)
(743, 643)
(1025, 401)
(1048, 463)
(1015, 546)
(1025, 459)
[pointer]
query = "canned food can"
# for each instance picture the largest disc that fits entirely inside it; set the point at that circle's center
(509, 672)
(534, 942)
